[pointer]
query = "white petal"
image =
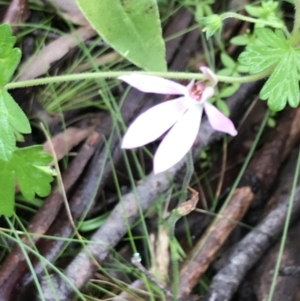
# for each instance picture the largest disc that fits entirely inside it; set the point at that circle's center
(207, 94)
(179, 140)
(153, 84)
(151, 124)
(209, 75)
(218, 120)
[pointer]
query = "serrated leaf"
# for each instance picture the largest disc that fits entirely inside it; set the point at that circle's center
(264, 53)
(273, 49)
(7, 138)
(9, 56)
(30, 177)
(274, 39)
(12, 119)
(14, 113)
(283, 86)
(24, 168)
(260, 58)
(131, 27)
(7, 193)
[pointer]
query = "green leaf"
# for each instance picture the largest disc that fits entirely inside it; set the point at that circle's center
(203, 8)
(24, 167)
(283, 86)
(267, 11)
(227, 61)
(225, 72)
(7, 193)
(9, 56)
(230, 90)
(240, 40)
(14, 113)
(272, 49)
(12, 119)
(242, 69)
(131, 27)
(274, 39)
(253, 10)
(223, 107)
(267, 50)
(7, 137)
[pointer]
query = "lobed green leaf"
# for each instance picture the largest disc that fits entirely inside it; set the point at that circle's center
(274, 39)
(283, 86)
(24, 168)
(272, 49)
(15, 115)
(267, 50)
(7, 137)
(9, 56)
(12, 119)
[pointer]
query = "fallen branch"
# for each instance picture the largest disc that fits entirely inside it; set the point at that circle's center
(250, 249)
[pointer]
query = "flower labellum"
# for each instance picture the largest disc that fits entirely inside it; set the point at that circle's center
(181, 117)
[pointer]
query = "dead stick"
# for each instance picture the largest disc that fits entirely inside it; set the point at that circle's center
(250, 249)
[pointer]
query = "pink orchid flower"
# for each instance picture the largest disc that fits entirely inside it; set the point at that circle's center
(181, 116)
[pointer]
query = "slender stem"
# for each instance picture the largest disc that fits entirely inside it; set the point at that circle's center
(173, 218)
(249, 19)
(115, 74)
(295, 32)
(285, 229)
(187, 177)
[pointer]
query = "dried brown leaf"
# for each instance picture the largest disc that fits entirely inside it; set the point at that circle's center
(62, 143)
(69, 10)
(16, 12)
(53, 52)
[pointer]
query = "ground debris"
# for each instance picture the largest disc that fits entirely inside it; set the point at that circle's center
(254, 245)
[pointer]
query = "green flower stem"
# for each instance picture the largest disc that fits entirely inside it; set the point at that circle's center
(114, 74)
(171, 222)
(295, 33)
(173, 218)
(249, 19)
(187, 177)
